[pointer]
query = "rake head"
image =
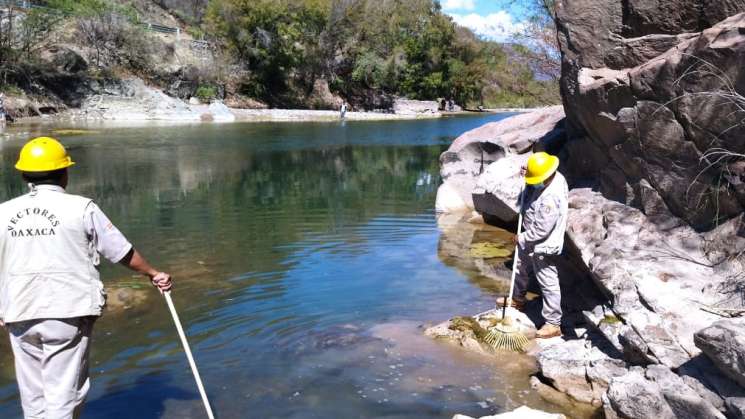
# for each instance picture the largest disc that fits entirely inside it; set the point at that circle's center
(504, 336)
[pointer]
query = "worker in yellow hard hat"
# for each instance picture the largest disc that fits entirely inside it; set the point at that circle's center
(50, 290)
(545, 208)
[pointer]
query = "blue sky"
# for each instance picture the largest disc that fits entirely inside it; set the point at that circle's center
(497, 20)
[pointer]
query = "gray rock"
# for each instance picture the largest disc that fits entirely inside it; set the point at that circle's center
(415, 107)
(620, 246)
(683, 400)
(220, 112)
(64, 59)
(701, 375)
(579, 369)
(649, 126)
(497, 190)
(724, 343)
(631, 396)
(735, 407)
(471, 154)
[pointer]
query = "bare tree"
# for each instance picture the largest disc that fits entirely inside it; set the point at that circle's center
(539, 36)
(22, 34)
(114, 40)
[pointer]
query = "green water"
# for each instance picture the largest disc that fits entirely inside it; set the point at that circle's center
(305, 258)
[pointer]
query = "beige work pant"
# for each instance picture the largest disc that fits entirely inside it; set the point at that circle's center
(544, 268)
(51, 361)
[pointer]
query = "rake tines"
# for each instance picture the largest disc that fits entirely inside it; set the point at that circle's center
(502, 337)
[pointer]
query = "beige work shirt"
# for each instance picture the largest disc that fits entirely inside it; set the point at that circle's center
(545, 215)
(49, 254)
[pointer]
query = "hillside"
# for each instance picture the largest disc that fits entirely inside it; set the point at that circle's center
(308, 54)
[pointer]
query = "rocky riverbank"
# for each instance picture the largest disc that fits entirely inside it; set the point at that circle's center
(653, 276)
(131, 100)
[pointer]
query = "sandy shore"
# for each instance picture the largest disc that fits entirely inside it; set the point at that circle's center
(201, 113)
(266, 115)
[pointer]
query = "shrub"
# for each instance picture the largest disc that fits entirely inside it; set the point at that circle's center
(206, 93)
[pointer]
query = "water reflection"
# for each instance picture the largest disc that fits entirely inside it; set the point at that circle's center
(291, 245)
(458, 244)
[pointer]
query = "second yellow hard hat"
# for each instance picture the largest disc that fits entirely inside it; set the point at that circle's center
(43, 154)
(540, 167)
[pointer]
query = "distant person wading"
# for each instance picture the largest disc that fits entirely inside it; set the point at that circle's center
(2, 109)
(343, 110)
(50, 290)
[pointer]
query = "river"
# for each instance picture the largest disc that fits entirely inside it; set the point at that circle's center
(305, 258)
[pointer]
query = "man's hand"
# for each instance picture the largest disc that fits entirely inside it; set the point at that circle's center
(515, 239)
(136, 262)
(162, 281)
(523, 170)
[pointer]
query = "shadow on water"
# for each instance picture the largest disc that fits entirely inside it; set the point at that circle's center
(150, 393)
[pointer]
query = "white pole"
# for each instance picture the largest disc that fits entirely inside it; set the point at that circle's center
(189, 356)
(517, 246)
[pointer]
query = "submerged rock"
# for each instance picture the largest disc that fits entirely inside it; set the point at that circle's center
(469, 332)
(493, 248)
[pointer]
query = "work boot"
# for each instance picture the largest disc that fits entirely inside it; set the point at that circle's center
(548, 331)
(517, 304)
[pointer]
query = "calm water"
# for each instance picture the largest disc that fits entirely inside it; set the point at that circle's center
(305, 259)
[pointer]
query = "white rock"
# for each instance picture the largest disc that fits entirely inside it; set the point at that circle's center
(415, 107)
(523, 412)
(221, 113)
(449, 201)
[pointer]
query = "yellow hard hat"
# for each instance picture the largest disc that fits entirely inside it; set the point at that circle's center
(540, 167)
(43, 154)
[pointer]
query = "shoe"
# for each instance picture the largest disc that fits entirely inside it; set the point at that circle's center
(518, 305)
(548, 331)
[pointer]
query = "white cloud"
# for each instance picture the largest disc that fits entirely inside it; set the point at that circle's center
(458, 5)
(498, 26)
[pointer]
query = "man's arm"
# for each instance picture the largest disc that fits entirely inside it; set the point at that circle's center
(112, 245)
(134, 261)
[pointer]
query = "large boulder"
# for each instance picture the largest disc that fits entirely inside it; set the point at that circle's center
(645, 270)
(736, 407)
(133, 100)
(652, 96)
(321, 97)
(579, 370)
(470, 156)
(682, 399)
(415, 107)
(632, 396)
(654, 394)
(724, 343)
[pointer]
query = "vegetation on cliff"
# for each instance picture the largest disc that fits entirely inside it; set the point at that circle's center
(408, 48)
(277, 52)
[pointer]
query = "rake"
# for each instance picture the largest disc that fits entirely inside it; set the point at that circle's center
(504, 335)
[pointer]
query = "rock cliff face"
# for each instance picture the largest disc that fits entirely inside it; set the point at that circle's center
(650, 98)
(653, 148)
